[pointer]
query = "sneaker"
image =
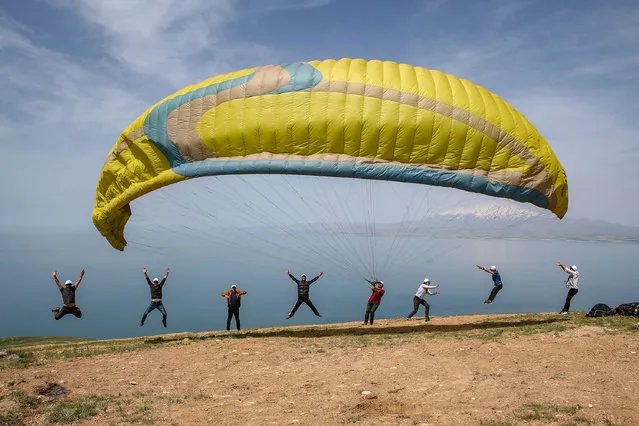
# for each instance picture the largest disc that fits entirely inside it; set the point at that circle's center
(320, 315)
(141, 324)
(55, 310)
(426, 319)
(365, 323)
(288, 317)
(563, 313)
(488, 302)
(164, 323)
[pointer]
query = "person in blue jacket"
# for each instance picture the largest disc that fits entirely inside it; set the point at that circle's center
(496, 280)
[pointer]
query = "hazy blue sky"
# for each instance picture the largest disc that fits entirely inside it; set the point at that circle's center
(74, 73)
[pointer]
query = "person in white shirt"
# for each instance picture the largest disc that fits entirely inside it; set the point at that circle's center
(572, 285)
(418, 299)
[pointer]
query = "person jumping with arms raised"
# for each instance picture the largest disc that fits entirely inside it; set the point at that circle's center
(303, 293)
(68, 297)
(156, 296)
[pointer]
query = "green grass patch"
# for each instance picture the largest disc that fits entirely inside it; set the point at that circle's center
(546, 411)
(26, 359)
(73, 410)
(11, 418)
(20, 341)
(23, 399)
(495, 423)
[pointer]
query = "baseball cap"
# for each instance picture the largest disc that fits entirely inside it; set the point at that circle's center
(68, 282)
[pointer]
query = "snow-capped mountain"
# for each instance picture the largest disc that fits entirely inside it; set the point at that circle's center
(496, 211)
(514, 221)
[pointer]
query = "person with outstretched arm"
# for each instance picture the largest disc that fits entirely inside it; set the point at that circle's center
(571, 283)
(68, 297)
(498, 285)
(303, 293)
(156, 296)
(234, 301)
(377, 287)
(418, 299)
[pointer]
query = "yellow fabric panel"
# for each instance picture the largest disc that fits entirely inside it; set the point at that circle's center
(347, 124)
(441, 87)
(138, 170)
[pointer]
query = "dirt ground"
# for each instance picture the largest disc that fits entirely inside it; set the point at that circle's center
(397, 372)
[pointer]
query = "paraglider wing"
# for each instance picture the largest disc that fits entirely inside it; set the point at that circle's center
(344, 118)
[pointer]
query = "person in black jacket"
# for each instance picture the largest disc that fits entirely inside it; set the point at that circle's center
(234, 301)
(68, 297)
(302, 293)
(156, 296)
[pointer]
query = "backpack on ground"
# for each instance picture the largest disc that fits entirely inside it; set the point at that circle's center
(600, 310)
(628, 309)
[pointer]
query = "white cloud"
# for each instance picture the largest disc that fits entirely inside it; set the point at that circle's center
(162, 38)
(262, 6)
(52, 88)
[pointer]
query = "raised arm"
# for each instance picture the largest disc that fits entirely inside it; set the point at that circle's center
(55, 278)
(241, 292)
(166, 275)
(77, 283)
(292, 277)
(146, 276)
(485, 270)
(564, 267)
(226, 294)
(316, 278)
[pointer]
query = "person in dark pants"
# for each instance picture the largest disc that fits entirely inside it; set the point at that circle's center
(572, 285)
(418, 299)
(156, 296)
(68, 297)
(377, 287)
(234, 301)
(496, 280)
(302, 293)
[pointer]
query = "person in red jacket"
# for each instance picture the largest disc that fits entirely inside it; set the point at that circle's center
(377, 287)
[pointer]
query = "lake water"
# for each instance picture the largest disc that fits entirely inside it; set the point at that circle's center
(114, 294)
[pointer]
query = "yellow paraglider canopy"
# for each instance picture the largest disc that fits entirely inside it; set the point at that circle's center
(345, 118)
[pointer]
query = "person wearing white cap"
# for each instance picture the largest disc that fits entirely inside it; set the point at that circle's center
(572, 285)
(302, 293)
(68, 297)
(496, 280)
(418, 299)
(156, 296)
(234, 301)
(377, 287)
